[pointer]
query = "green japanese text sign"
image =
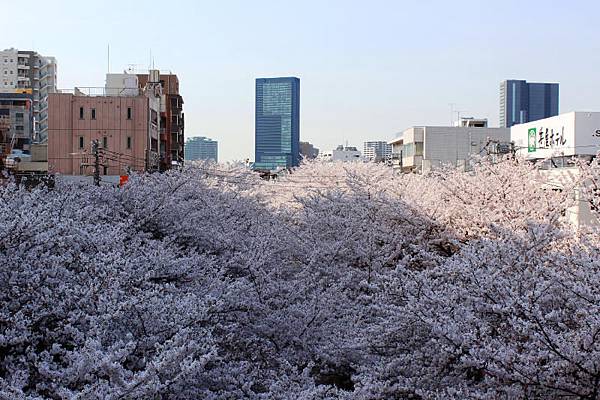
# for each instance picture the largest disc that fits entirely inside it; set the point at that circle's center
(531, 140)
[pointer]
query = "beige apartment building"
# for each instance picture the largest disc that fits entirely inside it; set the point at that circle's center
(126, 126)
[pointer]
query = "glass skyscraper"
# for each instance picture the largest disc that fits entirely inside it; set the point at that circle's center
(522, 102)
(277, 123)
(201, 148)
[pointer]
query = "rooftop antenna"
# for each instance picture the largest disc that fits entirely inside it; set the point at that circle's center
(458, 112)
(451, 113)
(108, 59)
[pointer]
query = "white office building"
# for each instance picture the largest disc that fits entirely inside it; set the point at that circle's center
(377, 151)
(341, 153)
(422, 148)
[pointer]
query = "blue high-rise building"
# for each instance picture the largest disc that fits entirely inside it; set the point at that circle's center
(201, 148)
(522, 102)
(277, 123)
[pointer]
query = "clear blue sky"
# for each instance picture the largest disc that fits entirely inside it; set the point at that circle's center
(368, 69)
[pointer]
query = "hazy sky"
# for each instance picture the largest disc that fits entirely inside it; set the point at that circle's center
(367, 69)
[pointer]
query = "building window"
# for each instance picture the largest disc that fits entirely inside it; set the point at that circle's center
(105, 142)
(128, 112)
(129, 142)
(93, 113)
(80, 112)
(105, 170)
(81, 142)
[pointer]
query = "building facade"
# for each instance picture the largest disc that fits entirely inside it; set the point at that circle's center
(308, 151)
(201, 148)
(172, 118)
(341, 153)
(277, 123)
(377, 151)
(472, 122)
(522, 102)
(565, 135)
(422, 148)
(126, 128)
(16, 114)
(30, 73)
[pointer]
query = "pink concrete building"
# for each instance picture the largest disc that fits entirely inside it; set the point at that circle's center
(126, 127)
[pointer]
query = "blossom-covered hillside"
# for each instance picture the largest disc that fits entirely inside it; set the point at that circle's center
(337, 281)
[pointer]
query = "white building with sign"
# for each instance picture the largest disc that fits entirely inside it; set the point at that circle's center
(553, 142)
(570, 134)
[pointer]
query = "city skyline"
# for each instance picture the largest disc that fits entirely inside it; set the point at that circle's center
(365, 73)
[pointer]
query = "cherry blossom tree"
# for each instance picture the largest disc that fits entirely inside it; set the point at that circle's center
(332, 281)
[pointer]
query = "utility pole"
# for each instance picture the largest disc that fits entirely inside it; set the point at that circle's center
(96, 155)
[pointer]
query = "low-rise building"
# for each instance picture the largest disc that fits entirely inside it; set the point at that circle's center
(125, 126)
(341, 153)
(171, 143)
(422, 148)
(565, 135)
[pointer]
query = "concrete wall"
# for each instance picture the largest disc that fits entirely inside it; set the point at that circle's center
(456, 145)
(65, 129)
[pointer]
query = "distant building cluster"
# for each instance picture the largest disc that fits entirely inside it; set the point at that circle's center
(136, 123)
(201, 148)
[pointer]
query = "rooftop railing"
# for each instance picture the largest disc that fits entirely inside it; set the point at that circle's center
(102, 91)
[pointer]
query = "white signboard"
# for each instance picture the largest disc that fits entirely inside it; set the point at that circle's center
(575, 133)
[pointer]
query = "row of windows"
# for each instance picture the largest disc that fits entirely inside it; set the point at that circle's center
(104, 142)
(93, 113)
